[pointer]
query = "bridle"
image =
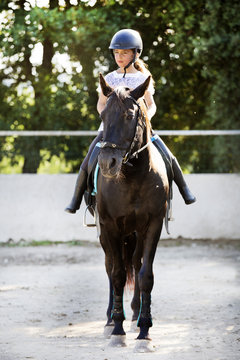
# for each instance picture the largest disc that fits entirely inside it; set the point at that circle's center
(128, 152)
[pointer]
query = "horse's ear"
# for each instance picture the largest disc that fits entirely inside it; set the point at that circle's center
(140, 90)
(106, 89)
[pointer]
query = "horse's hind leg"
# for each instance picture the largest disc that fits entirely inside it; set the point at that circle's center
(135, 304)
(110, 304)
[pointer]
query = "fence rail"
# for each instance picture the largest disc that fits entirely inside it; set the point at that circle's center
(94, 133)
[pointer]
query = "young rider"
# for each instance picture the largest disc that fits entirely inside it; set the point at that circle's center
(126, 47)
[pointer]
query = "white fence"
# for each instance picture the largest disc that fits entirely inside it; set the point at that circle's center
(32, 208)
(93, 133)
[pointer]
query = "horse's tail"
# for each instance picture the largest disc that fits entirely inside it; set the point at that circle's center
(128, 251)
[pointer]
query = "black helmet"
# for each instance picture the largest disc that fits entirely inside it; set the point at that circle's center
(127, 39)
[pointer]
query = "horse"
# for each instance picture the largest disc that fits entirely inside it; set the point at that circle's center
(131, 204)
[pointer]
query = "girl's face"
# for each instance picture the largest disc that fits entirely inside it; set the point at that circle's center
(123, 57)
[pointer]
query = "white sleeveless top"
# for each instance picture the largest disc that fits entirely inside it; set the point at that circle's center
(131, 80)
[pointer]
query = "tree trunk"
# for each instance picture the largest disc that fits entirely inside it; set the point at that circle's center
(32, 156)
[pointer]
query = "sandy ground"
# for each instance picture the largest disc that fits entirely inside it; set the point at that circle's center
(53, 301)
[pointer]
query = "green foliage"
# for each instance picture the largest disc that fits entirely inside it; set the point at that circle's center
(192, 49)
(218, 47)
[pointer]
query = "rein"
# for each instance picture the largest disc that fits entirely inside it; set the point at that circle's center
(129, 155)
(127, 158)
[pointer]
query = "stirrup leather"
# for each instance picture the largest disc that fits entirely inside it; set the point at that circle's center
(168, 215)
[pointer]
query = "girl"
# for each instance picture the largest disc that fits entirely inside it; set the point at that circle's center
(126, 47)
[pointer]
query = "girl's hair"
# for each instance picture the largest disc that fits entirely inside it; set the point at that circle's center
(140, 65)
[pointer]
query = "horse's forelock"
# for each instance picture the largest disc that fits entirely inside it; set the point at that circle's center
(122, 92)
(118, 96)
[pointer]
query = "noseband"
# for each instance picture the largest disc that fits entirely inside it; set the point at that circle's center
(129, 155)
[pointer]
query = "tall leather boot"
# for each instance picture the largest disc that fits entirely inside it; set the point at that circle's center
(178, 178)
(188, 197)
(80, 187)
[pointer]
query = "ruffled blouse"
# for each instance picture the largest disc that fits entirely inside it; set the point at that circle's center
(131, 80)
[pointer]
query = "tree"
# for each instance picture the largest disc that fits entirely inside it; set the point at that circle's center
(39, 99)
(218, 48)
(192, 49)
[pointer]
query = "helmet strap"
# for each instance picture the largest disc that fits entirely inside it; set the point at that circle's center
(131, 62)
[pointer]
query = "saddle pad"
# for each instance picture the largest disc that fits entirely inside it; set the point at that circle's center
(95, 177)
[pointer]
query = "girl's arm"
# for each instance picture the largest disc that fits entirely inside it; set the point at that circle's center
(101, 102)
(151, 106)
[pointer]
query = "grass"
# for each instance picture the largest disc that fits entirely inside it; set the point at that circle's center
(220, 243)
(34, 243)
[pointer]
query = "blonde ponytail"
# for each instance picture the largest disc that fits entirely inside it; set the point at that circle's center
(140, 65)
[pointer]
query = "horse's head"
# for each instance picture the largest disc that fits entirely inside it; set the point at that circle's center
(120, 117)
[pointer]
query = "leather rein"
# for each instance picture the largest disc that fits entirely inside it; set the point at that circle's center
(129, 155)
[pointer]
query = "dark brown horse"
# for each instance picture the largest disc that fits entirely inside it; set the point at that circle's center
(131, 202)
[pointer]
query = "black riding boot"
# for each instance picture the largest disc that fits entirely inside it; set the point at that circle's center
(81, 183)
(178, 178)
(79, 190)
(188, 197)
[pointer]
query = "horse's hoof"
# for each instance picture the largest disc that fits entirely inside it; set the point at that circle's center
(143, 346)
(108, 329)
(118, 341)
(134, 328)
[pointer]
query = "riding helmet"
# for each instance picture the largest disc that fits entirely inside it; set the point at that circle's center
(127, 39)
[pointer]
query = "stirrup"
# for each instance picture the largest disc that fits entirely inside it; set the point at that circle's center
(85, 217)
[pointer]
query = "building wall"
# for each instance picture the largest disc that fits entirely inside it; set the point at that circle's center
(31, 208)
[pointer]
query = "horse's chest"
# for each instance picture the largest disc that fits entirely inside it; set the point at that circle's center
(131, 222)
(128, 205)
(125, 202)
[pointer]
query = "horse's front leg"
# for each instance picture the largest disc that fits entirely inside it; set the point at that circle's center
(112, 244)
(118, 281)
(145, 279)
(135, 304)
(108, 328)
(110, 304)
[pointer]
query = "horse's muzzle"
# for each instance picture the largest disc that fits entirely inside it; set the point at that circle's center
(110, 162)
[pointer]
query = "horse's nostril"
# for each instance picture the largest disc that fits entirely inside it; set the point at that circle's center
(113, 163)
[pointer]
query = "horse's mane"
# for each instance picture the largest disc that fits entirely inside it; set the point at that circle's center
(143, 107)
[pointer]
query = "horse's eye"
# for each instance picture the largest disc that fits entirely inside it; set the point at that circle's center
(129, 117)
